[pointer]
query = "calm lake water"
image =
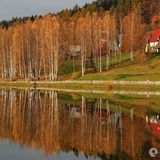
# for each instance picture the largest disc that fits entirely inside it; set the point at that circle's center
(50, 125)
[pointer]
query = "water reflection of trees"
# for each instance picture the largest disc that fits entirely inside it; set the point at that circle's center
(41, 120)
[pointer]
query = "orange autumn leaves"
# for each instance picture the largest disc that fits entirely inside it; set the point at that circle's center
(34, 50)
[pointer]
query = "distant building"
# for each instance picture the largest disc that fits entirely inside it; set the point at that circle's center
(74, 50)
(152, 39)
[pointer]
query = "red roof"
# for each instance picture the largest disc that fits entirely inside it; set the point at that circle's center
(155, 35)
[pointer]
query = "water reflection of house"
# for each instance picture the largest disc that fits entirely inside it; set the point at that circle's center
(75, 113)
(109, 117)
(154, 123)
(102, 115)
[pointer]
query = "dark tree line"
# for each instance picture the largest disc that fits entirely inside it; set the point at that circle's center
(149, 8)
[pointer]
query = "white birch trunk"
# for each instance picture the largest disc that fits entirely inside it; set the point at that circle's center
(132, 38)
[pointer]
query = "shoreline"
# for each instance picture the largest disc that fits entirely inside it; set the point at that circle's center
(113, 92)
(87, 85)
(122, 82)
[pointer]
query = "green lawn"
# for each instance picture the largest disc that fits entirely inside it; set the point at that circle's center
(127, 76)
(66, 69)
(148, 69)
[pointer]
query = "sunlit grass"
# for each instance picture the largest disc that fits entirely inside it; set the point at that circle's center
(147, 70)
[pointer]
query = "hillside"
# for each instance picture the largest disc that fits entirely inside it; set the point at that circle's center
(99, 36)
(148, 69)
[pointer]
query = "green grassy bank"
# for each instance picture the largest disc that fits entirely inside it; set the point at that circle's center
(142, 69)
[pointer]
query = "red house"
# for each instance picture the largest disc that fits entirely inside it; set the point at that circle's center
(152, 39)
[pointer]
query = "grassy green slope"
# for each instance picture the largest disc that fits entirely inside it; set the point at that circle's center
(146, 69)
(67, 71)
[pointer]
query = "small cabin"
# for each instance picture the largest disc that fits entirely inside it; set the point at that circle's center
(75, 50)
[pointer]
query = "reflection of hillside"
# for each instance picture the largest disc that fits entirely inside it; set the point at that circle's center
(40, 120)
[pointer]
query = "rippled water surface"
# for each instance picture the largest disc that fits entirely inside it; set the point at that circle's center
(50, 125)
